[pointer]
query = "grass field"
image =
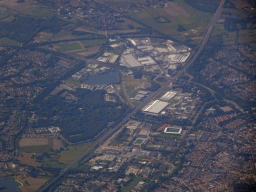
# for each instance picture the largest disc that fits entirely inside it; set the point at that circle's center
(132, 184)
(73, 82)
(72, 152)
(69, 47)
(39, 12)
(9, 42)
(178, 13)
(93, 42)
(8, 19)
(62, 35)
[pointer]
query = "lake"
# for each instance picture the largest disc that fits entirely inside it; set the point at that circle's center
(102, 79)
(9, 184)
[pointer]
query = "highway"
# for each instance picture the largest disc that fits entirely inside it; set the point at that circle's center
(110, 132)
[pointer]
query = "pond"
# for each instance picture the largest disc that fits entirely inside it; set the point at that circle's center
(9, 184)
(103, 79)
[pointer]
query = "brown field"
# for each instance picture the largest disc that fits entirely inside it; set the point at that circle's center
(57, 144)
(35, 183)
(175, 10)
(42, 36)
(19, 6)
(33, 141)
(25, 158)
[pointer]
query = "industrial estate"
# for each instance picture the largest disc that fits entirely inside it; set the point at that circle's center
(127, 96)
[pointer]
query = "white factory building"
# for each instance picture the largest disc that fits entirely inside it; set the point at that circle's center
(155, 107)
(168, 95)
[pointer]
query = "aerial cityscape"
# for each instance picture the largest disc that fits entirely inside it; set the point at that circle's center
(128, 96)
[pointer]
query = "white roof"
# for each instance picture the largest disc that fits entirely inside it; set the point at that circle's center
(131, 60)
(168, 95)
(155, 106)
(146, 60)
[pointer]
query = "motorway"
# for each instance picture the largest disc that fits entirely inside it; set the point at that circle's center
(110, 132)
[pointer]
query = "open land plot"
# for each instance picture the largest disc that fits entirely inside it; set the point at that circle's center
(179, 14)
(131, 184)
(42, 36)
(72, 152)
(39, 12)
(18, 6)
(89, 51)
(62, 35)
(9, 42)
(120, 3)
(34, 184)
(57, 144)
(25, 158)
(93, 42)
(65, 47)
(33, 141)
(8, 19)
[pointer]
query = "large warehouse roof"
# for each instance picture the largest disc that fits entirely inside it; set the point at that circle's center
(155, 107)
(131, 60)
(168, 95)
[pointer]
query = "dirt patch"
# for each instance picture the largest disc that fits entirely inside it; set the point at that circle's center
(57, 144)
(34, 184)
(175, 10)
(42, 37)
(19, 6)
(25, 158)
(33, 141)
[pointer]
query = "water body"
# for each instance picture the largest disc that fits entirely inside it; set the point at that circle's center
(103, 79)
(9, 185)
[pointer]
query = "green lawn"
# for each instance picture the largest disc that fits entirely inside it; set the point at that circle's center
(39, 12)
(73, 82)
(72, 152)
(93, 42)
(8, 19)
(132, 184)
(9, 42)
(69, 47)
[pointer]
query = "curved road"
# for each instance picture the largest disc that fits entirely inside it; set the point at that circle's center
(143, 103)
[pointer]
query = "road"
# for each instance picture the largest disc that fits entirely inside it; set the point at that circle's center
(145, 101)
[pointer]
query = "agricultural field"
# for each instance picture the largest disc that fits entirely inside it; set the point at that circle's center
(39, 145)
(25, 158)
(67, 47)
(176, 19)
(31, 184)
(120, 3)
(72, 152)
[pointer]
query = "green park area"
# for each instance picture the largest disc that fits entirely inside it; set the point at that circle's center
(63, 47)
(131, 184)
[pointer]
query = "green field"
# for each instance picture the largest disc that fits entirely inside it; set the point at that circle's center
(60, 35)
(53, 163)
(39, 12)
(197, 20)
(9, 42)
(132, 184)
(73, 82)
(72, 152)
(93, 42)
(8, 19)
(69, 47)
(36, 149)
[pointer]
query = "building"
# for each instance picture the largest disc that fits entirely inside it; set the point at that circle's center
(173, 130)
(131, 61)
(146, 60)
(168, 95)
(155, 107)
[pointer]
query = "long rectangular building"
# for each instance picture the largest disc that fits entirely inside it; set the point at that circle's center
(155, 107)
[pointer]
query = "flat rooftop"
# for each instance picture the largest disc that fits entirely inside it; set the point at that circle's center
(131, 60)
(155, 107)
